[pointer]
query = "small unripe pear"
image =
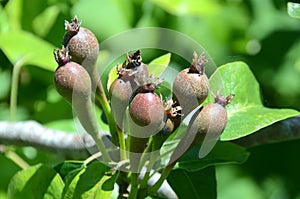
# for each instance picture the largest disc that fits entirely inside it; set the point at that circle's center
(120, 93)
(73, 82)
(191, 85)
(212, 118)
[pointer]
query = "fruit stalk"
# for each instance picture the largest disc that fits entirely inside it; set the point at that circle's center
(73, 82)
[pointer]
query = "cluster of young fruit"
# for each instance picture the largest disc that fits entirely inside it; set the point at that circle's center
(149, 115)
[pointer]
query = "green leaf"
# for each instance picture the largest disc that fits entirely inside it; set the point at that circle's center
(23, 45)
(87, 183)
(199, 184)
(222, 153)
(294, 9)
(66, 167)
(246, 113)
(39, 181)
(112, 75)
(3, 20)
(43, 23)
(158, 65)
(109, 184)
(13, 10)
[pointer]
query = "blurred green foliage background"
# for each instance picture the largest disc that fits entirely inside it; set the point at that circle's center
(259, 32)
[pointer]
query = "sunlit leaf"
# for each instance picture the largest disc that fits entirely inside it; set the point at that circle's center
(39, 181)
(158, 65)
(246, 113)
(112, 75)
(294, 9)
(45, 21)
(33, 50)
(88, 182)
(65, 168)
(4, 23)
(267, 18)
(13, 10)
(109, 184)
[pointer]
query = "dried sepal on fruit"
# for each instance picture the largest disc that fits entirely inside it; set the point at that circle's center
(173, 120)
(135, 64)
(174, 116)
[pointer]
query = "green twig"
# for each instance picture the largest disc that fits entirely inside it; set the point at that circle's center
(107, 111)
(163, 177)
(146, 177)
(92, 157)
(123, 155)
(145, 153)
(134, 186)
(14, 87)
(102, 148)
(13, 156)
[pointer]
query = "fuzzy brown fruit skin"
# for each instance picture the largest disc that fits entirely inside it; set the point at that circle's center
(81, 43)
(72, 79)
(73, 83)
(120, 93)
(146, 109)
(84, 47)
(191, 85)
(212, 119)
